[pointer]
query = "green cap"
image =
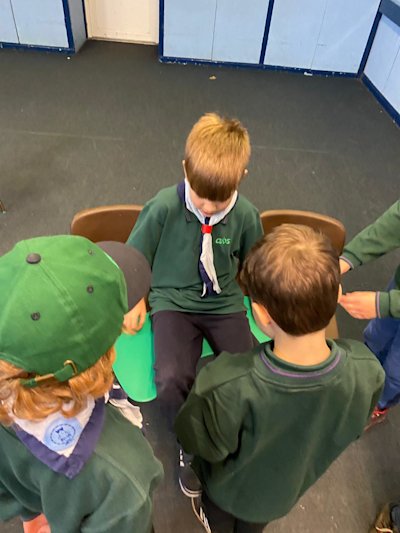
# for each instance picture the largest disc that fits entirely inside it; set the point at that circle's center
(63, 301)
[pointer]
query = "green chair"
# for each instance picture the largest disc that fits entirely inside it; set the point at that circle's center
(135, 359)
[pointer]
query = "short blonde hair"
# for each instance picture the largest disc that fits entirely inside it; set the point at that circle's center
(49, 397)
(216, 155)
(294, 273)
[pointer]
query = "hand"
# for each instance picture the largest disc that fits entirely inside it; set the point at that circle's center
(135, 318)
(360, 304)
(344, 266)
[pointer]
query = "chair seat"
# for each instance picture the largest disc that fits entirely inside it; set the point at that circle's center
(135, 359)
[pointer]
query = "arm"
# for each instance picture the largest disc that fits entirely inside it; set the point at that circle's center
(145, 237)
(375, 240)
(147, 231)
(367, 304)
(10, 507)
(209, 423)
(252, 233)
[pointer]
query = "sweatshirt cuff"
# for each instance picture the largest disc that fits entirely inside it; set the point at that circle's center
(382, 304)
(27, 516)
(351, 258)
(347, 260)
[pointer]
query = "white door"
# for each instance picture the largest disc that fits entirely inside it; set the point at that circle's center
(123, 20)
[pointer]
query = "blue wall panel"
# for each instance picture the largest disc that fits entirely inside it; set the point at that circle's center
(8, 32)
(239, 30)
(344, 34)
(77, 23)
(392, 88)
(40, 22)
(320, 34)
(383, 53)
(294, 32)
(383, 65)
(189, 28)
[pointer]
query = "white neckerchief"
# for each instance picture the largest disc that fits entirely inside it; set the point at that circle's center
(207, 254)
(56, 432)
(61, 434)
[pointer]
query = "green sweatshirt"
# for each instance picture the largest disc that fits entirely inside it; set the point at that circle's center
(264, 430)
(112, 494)
(169, 237)
(372, 242)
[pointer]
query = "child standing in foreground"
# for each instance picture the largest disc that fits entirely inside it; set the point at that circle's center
(266, 424)
(73, 458)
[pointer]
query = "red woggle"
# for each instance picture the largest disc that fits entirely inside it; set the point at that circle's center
(205, 228)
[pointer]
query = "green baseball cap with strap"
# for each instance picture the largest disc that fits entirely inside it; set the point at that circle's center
(62, 303)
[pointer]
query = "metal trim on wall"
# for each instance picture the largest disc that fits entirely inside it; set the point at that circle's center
(266, 31)
(391, 10)
(381, 99)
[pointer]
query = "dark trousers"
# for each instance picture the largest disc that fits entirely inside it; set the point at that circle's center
(222, 522)
(178, 339)
(382, 336)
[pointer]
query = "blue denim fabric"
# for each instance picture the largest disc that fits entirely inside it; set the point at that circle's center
(382, 336)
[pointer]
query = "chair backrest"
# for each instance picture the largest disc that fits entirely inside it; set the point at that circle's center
(329, 226)
(106, 223)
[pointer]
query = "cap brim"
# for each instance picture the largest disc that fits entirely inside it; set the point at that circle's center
(134, 266)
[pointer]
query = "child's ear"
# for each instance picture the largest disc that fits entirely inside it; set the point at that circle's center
(184, 167)
(261, 315)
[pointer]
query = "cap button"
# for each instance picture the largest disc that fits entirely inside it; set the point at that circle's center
(33, 259)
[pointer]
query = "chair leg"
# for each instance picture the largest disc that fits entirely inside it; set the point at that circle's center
(2, 208)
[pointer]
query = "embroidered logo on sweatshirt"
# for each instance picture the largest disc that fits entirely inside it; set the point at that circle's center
(223, 240)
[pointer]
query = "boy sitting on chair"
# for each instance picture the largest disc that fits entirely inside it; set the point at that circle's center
(265, 425)
(196, 236)
(68, 456)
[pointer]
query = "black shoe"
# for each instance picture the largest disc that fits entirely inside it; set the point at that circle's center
(188, 480)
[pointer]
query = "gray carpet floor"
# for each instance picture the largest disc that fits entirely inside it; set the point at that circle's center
(109, 125)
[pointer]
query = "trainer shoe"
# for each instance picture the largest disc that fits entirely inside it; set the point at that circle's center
(378, 416)
(188, 480)
(200, 514)
(37, 525)
(384, 523)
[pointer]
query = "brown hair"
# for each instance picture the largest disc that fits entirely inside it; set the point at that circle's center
(49, 397)
(216, 155)
(294, 273)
